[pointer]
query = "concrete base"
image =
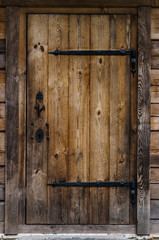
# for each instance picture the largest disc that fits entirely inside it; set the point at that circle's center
(78, 237)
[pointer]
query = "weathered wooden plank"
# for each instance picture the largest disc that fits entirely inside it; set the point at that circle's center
(2, 45)
(22, 121)
(2, 205)
(154, 62)
(154, 48)
(99, 120)
(154, 140)
(2, 142)
(2, 60)
(2, 14)
(2, 159)
(143, 147)
(154, 110)
(79, 38)
(133, 129)
(53, 229)
(154, 155)
(154, 123)
(154, 191)
(155, 24)
(37, 75)
(2, 175)
(154, 224)
(154, 175)
(119, 119)
(154, 209)
(2, 30)
(154, 97)
(71, 3)
(58, 119)
(2, 116)
(2, 86)
(154, 77)
(12, 133)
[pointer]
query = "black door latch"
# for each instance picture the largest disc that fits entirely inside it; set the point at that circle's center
(39, 98)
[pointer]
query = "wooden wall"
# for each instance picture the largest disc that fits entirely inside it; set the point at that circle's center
(154, 170)
(2, 110)
(154, 118)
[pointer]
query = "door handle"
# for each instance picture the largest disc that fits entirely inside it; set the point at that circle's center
(39, 98)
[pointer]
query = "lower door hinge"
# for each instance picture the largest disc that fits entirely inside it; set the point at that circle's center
(131, 185)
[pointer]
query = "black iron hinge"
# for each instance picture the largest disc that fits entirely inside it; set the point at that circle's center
(132, 186)
(121, 52)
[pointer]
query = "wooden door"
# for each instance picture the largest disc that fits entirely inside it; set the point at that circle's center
(89, 121)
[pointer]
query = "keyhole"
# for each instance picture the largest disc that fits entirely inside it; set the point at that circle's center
(39, 135)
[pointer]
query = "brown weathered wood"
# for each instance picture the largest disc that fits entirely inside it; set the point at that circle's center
(37, 62)
(12, 133)
(154, 54)
(2, 45)
(154, 224)
(58, 119)
(119, 119)
(154, 123)
(2, 60)
(155, 24)
(154, 156)
(154, 140)
(133, 129)
(2, 30)
(77, 3)
(154, 97)
(2, 116)
(2, 86)
(2, 142)
(154, 110)
(154, 77)
(99, 120)
(79, 38)
(22, 120)
(2, 159)
(154, 191)
(154, 175)
(154, 209)
(3, 14)
(2, 205)
(143, 147)
(53, 229)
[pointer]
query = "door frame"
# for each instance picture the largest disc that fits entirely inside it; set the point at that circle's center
(15, 173)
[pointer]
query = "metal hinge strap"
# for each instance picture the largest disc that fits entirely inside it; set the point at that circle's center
(101, 53)
(100, 184)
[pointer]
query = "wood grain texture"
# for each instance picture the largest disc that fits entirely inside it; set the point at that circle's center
(154, 77)
(154, 110)
(154, 191)
(2, 205)
(154, 140)
(2, 116)
(58, 119)
(154, 175)
(2, 45)
(154, 156)
(143, 147)
(2, 159)
(37, 157)
(155, 24)
(155, 123)
(22, 120)
(2, 30)
(2, 14)
(2, 142)
(154, 209)
(154, 224)
(99, 120)
(2, 86)
(119, 119)
(12, 134)
(77, 3)
(2, 60)
(54, 229)
(79, 38)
